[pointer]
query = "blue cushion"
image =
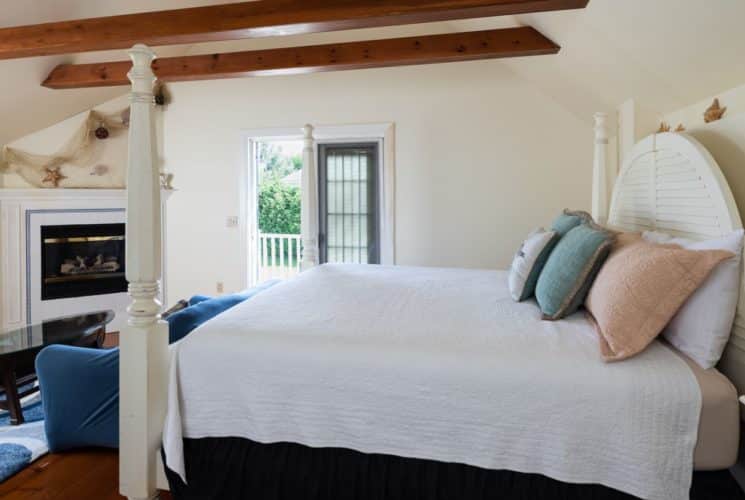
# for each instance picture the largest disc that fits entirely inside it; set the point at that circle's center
(80, 385)
(80, 395)
(184, 321)
(570, 270)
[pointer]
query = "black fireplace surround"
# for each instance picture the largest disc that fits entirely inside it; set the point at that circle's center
(81, 260)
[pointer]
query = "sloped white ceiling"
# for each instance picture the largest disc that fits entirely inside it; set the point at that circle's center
(664, 53)
(26, 106)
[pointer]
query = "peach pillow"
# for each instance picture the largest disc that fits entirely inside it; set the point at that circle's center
(640, 288)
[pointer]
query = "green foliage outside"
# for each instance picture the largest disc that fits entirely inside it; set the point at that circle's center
(279, 208)
(274, 164)
(279, 204)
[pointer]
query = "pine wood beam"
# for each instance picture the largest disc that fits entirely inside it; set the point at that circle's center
(491, 44)
(249, 20)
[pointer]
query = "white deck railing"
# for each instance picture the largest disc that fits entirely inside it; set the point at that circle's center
(279, 256)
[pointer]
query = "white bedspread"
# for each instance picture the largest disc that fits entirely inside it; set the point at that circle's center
(438, 364)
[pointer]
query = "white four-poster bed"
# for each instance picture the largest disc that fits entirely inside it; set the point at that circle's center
(696, 202)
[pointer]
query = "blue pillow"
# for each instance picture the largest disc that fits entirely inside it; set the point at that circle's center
(570, 270)
(80, 396)
(184, 321)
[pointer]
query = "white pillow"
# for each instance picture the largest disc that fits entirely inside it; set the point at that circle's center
(529, 261)
(702, 326)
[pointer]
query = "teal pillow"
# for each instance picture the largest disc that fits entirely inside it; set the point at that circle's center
(570, 270)
(568, 220)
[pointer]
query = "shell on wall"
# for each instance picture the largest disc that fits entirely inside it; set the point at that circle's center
(714, 112)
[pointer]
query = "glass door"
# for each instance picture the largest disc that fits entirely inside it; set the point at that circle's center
(348, 185)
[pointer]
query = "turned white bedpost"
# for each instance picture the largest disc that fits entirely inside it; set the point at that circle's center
(600, 170)
(309, 202)
(143, 362)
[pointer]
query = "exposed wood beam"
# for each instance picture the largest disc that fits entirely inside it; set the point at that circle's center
(511, 42)
(249, 20)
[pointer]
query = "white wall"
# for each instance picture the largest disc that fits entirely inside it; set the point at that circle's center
(692, 116)
(482, 157)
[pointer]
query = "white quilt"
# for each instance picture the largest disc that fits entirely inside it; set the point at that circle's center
(438, 364)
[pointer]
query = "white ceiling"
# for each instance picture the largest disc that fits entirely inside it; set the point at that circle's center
(664, 53)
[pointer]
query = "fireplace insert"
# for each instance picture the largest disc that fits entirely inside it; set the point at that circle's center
(81, 260)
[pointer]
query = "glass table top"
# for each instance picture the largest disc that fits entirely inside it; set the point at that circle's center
(64, 330)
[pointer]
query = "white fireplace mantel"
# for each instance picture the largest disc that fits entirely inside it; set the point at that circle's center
(17, 208)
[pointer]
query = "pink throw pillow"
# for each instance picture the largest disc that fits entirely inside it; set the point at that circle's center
(640, 288)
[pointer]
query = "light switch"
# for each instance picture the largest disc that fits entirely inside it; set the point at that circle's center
(232, 221)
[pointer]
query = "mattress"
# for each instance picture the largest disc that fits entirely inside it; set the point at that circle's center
(439, 364)
(719, 422)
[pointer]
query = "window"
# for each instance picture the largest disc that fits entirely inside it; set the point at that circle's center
(349, 220)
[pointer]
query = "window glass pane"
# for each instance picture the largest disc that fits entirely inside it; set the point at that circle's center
(349, 218)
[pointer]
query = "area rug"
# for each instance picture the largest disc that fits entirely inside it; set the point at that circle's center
(20, 445)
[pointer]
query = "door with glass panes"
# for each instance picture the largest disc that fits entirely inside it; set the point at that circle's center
(348, 188)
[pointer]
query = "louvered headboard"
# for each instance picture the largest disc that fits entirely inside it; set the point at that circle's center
(670, 182)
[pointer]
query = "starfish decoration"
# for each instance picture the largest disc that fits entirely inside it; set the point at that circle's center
(714, 112)
(53, 176)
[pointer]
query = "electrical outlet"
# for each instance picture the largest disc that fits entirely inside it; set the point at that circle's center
(220, 287)
(231, 221)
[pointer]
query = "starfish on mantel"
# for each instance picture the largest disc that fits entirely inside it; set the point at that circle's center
(53, 175)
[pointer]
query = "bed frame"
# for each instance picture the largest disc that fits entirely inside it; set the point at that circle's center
(668, 182)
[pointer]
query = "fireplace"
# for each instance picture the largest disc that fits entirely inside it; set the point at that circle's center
(81, 260)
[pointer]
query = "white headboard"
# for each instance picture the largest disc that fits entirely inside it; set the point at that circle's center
(670, 182)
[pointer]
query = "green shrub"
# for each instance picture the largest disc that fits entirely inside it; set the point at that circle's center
(279, 208)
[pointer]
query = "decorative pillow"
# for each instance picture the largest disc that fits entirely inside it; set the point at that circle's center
(529, 261)
(570, 269)
(568, 220)
(640, 288)
(702, 326)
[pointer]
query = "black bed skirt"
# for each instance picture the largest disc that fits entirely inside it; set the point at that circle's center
(235, 468)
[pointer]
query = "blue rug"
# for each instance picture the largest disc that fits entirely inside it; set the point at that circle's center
(22, 444)
(32, 413)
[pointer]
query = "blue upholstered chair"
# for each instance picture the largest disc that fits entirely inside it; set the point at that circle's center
(80, 386)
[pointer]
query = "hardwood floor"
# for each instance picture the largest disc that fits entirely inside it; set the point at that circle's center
(80, 475)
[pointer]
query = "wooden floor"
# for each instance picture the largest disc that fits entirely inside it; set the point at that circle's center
(80, 475)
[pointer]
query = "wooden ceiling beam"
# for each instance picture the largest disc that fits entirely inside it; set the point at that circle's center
(249, 20)
(511, 42)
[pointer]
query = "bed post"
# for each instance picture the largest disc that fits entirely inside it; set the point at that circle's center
(309, 202)
(600, 170)
(143, 363)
